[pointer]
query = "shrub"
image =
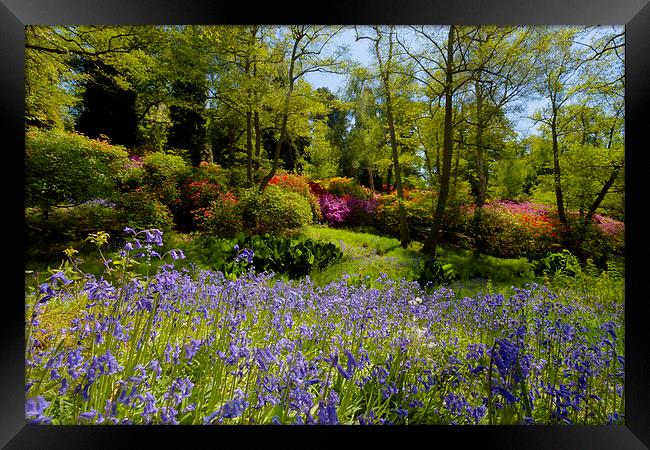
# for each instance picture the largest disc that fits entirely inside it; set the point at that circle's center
(143, 210)
(557, 263)
(435, 273)
(334, 208)
(251, 205)
(133, 174)
(197, 194)
(507, 229)
(223, 217)
(291, 256)
(280, 209)
(69, 168)
(419, 212)
(344, 185)
(593, 241)
(469, 264)
(201, 187)
(361, 211)
(164, 175)
(67, 227)
(299, 185)
(387, 214)
(316, 188)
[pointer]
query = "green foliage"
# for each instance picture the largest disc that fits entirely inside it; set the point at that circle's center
(164, 175)
(344, 185)
(46, 240)
(68, 168)
(321, 154)
(280, 209)
(296, 257)
(469, 264)
(204, 250)
(556, 263)
(590, 242)
(223, 217)
(499, 232)
(144, 211)
(251, 205)
(365, 255)
(299, 185)
(199, 189)
(435, 273)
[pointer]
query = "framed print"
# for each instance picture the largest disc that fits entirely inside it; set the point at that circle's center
(403, 221)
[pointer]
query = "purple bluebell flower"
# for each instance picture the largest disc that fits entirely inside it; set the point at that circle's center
(505, 357)
(177, 254)
(153, 236)
(48, 292)
(168, 415)
(327, 414)
(60, 276)
(352, 363)
(507, 395)
(35, 406)
(88, 415)
(610, 328)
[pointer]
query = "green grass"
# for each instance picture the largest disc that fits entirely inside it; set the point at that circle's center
(368, 255)
(365, 254)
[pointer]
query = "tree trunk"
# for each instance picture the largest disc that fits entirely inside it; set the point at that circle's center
(403, 224)
(371, 178)
(249, 148)
(556, 170)
(480, 157)
(231, 147)
(285, 117)
(258, 138)
(385, 75)
(389, 178)
(601, 195)
(431, 243)
(249, 119)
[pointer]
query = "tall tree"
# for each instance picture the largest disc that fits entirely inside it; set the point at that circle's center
(443, 73)
(52, 56)
(382, 40)
(558, 65)
(502, 62)
(307, 47)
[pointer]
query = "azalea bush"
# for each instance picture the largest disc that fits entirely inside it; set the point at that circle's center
(334, 208)
(189, 346)
(344, 185)
(222, 217)
(509, 229)
(299, 185)
(419, 206)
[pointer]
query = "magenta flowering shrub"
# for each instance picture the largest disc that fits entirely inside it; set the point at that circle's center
(194, 347)
(334, 208)
(362, 210)
(612, 230)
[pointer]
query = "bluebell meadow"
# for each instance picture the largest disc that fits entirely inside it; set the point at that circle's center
(190, 346)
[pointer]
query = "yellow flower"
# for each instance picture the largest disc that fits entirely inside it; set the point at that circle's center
(70, 252)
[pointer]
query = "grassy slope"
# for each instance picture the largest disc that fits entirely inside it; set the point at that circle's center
(365, 254)
(369, 254)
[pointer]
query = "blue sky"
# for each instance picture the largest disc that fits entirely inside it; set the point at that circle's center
(361, 51)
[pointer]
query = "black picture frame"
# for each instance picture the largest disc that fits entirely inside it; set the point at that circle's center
(634, 14)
